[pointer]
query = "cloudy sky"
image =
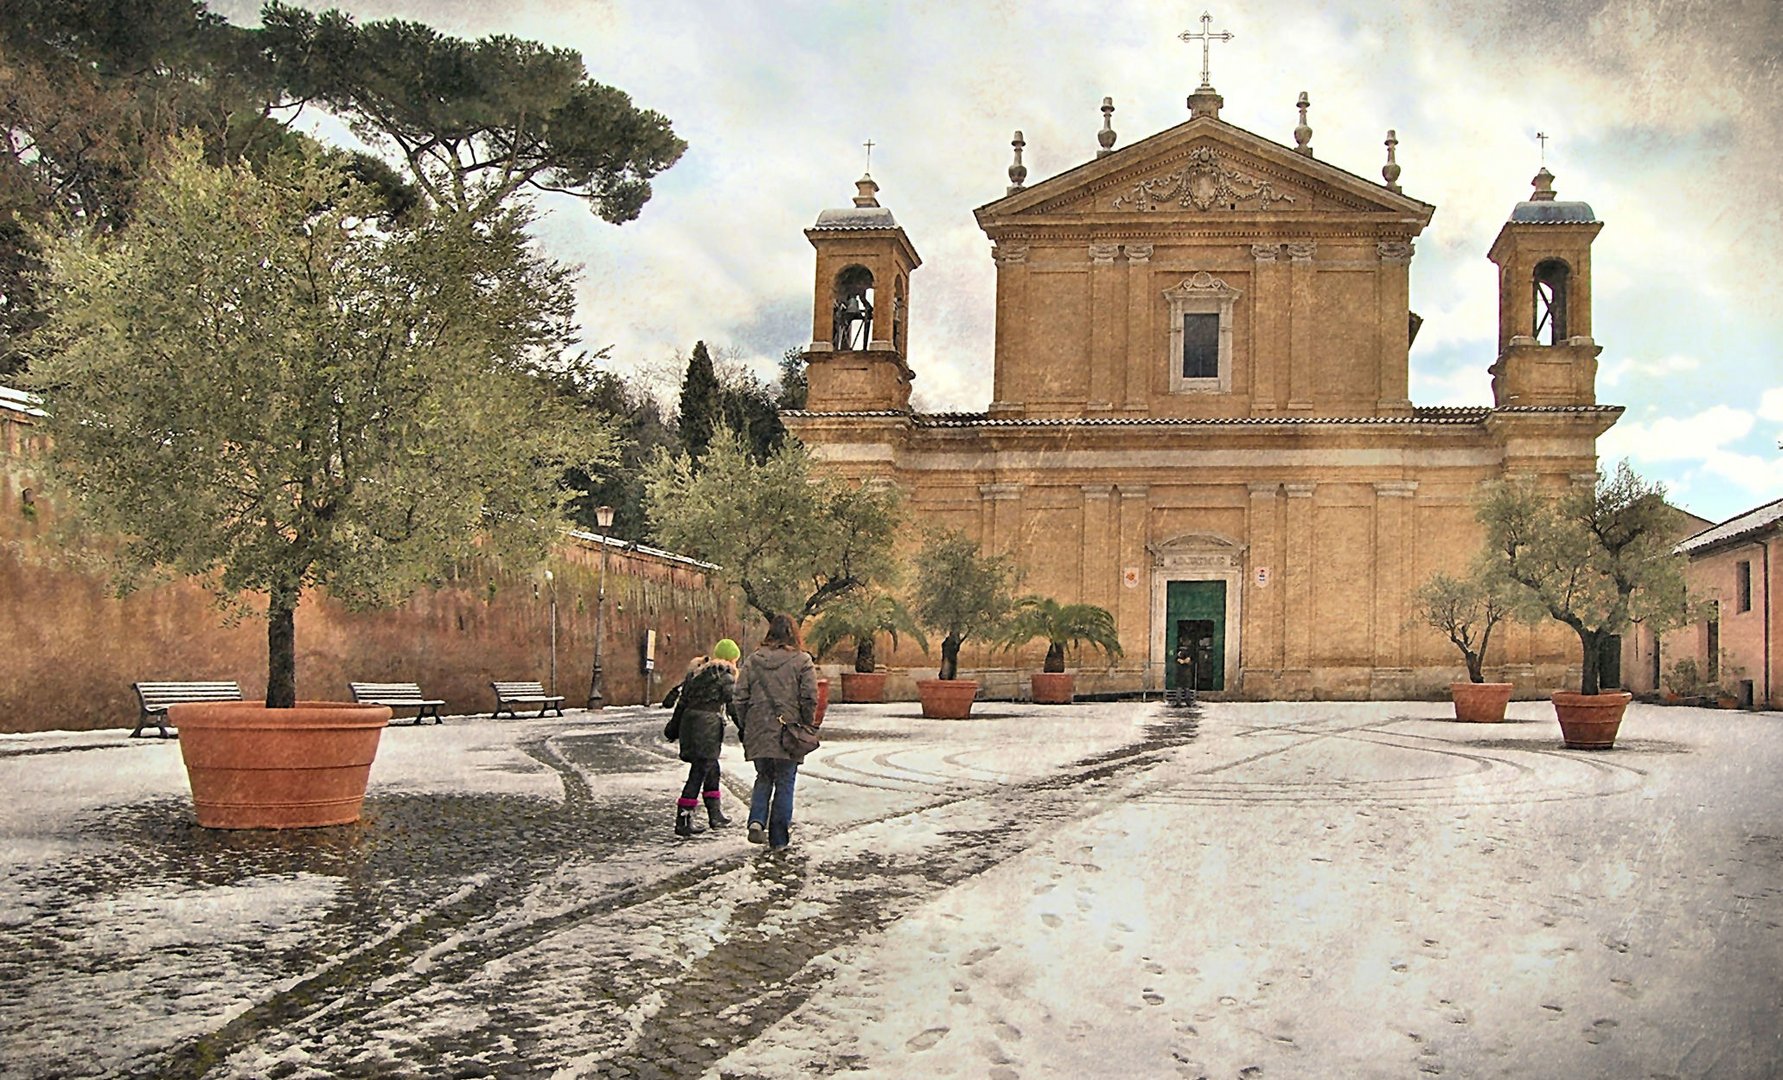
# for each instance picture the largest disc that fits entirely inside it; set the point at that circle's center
(1660, 114)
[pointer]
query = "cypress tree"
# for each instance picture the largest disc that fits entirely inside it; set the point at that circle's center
(701, 403)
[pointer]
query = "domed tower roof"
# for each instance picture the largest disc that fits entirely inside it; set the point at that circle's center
(1541, 208)
(866, 213)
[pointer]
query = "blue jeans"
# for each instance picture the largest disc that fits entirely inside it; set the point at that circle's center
(771, 801)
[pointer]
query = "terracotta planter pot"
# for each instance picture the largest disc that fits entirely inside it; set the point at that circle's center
(1480, 703)
(1589, 721)
(1053, 687)
(823, 700)
(251, 767)
(863, 687)
(946, 699)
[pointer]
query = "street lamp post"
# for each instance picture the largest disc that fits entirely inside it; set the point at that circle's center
(596, 700)
(551, 584)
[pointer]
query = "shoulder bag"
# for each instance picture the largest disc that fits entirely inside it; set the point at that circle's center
(797, 738)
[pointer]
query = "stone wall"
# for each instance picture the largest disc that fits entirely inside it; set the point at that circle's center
(71, 648)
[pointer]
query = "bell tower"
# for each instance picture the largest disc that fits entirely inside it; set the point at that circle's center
(1546, 355)
(861, 310)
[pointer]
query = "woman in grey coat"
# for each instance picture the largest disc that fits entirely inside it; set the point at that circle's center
(776, 680)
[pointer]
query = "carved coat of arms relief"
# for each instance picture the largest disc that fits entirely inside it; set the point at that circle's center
(1203, 183)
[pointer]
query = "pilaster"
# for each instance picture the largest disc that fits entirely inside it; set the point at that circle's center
(1297, 602)
(1392, 569)
(1141, 350)
(1100, 575)
(1012, 306)
(1302, 325)
(1133, 614)
(1264, 634)
(1393, 299)
(1107, 301)
(1269, 343)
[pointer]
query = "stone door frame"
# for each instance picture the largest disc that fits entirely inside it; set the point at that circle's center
(1195, 557)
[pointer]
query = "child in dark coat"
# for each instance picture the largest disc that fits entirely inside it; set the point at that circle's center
(698, 724)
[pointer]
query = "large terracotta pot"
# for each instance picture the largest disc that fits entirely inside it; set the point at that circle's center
(1053, 687)
(946, 699)
(863, 687)
(1589, 721)
(823, 700)
(252, 767)
(1480, 703)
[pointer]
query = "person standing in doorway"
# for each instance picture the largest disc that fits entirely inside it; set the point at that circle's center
(778, 680)
(698, 724)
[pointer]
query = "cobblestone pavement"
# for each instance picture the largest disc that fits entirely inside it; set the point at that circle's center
(488, 933)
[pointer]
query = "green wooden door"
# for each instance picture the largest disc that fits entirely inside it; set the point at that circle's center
(1195, 616)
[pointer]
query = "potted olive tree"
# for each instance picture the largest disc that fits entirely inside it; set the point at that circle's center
(1594, 558)
(1061, 626)
(269, 384)
(961, 593)
(860, 619)
(1466, 610)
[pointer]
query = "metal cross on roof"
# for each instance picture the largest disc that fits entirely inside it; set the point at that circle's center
(1542, 137)
(869, 144)
(1205, 36)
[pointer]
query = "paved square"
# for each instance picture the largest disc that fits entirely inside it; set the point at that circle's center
(1315, 889)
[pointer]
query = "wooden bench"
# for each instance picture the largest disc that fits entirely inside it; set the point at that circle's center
(510, 694)
(398, 695)
(157, 696)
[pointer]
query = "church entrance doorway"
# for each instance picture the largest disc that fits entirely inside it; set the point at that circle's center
(1195, 614)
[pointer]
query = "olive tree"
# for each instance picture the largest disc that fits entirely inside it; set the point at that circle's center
(263, 384)
(1596, 558)
(790, 539)
(960, 592)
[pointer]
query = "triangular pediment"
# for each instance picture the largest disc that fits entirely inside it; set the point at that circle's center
(1201, 168)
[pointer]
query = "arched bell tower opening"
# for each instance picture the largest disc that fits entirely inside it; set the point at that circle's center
(1552, 278)
(853, 318)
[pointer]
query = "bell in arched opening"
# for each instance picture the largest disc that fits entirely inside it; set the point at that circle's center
(854, 309)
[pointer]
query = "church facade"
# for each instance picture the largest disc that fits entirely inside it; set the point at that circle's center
(1200, 416)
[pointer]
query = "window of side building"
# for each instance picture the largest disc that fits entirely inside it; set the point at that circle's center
(1742, 585)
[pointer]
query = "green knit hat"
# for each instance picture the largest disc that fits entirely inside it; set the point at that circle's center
(726, 650)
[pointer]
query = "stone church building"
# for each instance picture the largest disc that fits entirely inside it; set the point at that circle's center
(1200, 416)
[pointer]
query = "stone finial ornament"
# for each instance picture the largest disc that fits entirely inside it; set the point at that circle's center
(1391, 170)
(1544, 186)
(1106, 136)
(1018, 173)
(866, 191)
(1303, 133)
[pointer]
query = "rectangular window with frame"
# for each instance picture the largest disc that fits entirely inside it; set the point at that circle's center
(1742, 584)
(1201, 346)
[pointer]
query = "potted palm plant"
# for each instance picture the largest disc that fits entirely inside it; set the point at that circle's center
(1466, 610)
(960, 594)
(1061, 626)
(269, 384)
(859, 619)
(1594, 558)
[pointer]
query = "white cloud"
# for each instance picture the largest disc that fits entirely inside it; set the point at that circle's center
(1612, 371)
(1700, 437)
(1770, 404)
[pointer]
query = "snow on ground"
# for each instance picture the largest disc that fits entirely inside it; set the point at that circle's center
(1356, 889)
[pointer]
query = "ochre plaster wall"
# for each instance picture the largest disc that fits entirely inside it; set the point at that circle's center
(71, 649)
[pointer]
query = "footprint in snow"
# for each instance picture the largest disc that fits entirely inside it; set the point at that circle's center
(925, 1040)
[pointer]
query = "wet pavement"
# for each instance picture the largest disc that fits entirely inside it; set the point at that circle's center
(514, 903)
